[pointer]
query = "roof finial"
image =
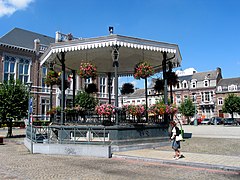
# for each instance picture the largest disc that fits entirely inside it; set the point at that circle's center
(110, 29)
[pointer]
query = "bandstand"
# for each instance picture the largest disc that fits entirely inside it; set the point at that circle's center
(116, 55)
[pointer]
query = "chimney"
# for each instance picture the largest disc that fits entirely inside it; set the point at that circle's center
(57, 37)
(37, 46)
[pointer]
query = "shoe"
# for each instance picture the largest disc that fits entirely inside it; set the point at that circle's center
(181, 156)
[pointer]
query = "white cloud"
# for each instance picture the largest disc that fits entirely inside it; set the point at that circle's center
(8, 7)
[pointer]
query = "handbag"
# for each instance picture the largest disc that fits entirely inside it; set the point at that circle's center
(179, 137)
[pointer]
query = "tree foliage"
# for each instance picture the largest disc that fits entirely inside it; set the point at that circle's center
(86, 101)
(187, 108)
(231, 104)
(13, 102)
(127, 88)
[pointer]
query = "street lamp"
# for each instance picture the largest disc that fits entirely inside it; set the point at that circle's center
(115, 57)
(29, 85)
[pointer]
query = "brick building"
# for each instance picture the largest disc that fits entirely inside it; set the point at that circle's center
(20, 51)
(225, 87)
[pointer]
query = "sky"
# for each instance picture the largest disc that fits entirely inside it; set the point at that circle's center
(206, 31)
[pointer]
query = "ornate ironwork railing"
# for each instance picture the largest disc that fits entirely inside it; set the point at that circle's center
(92, 118)
(68, 134)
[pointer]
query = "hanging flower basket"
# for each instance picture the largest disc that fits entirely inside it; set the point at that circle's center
(143, 70)
(52, 78)
(91, 88)
(87, 70)
(67, 84)
(127, 88)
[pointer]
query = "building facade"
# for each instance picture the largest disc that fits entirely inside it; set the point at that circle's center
(20, 51)
(224, 88)
(201, 88)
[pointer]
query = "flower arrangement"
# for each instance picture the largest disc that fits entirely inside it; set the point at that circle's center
(105, 109)
(161, 109)
(87, 70)
(52, 78)
(135, 110)
(143, 70)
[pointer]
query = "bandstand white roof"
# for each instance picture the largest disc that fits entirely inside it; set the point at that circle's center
(98, 51)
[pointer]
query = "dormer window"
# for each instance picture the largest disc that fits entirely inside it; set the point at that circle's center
(206, 83)
(232, 88)
(184, 84)
(219, 88)
(194, 83)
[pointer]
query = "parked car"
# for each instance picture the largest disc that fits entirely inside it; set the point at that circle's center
(216, 120)
(199, 120)
(206, 121)
(230, 121)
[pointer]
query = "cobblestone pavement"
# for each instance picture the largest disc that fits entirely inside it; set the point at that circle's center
(17, 163)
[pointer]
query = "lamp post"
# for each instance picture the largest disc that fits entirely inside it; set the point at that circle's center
(29, 84)
(115, 57)
(195, 108)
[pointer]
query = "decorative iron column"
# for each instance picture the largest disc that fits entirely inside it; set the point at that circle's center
(170, 83)
(165, 77)
(165, 84)
(115, 56)
(146, 97)
(109, 74)
(62, 60)
(51, 93)
(74, 86)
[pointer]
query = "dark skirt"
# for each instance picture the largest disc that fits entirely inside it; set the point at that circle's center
(176, 145)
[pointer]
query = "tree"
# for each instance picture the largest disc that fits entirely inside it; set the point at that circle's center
(86, 101)
(231, 104)
(187, 108)
(127, 88)
(13, 102)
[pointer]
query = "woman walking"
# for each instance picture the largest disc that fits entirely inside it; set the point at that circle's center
(175, 140)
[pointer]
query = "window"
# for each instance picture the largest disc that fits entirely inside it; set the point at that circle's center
(178, 85)
(45, 106)
(23, 70)
(194, 97)
(184, 84)
(178, 99)
(88, 81)
(220, 101)
(232, 88)
(44, 74)
(9, 68)
(219, 88)
(194, 84)
(206, 83)
(102, 87)
(206, 96)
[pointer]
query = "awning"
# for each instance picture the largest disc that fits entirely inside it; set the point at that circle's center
(98, 51)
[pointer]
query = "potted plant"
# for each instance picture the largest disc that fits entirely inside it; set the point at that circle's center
(87, 70)
(105, 109)
(143, 70)
(135, 110)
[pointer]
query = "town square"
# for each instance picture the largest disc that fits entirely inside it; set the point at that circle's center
(91, 93)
